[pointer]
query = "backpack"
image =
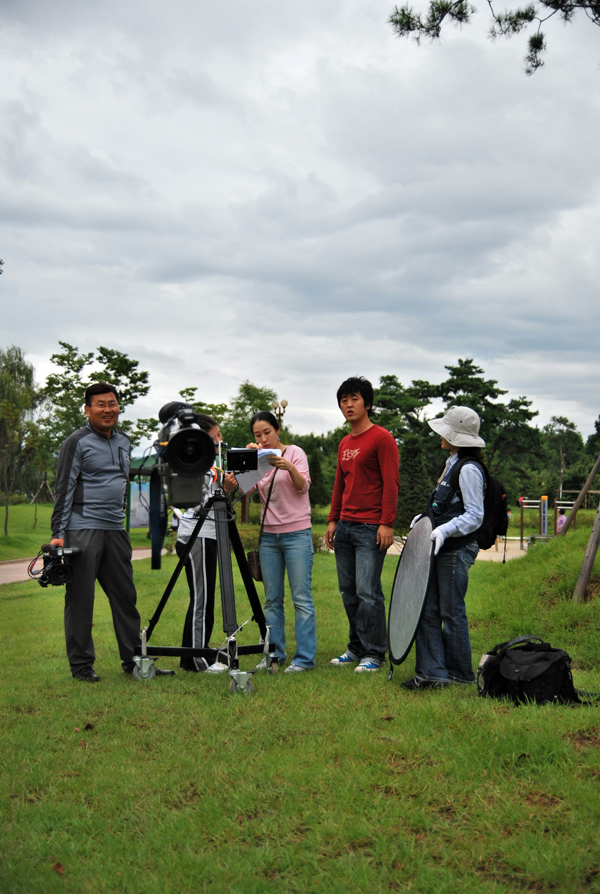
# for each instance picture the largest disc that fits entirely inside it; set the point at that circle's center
(495, 504)
(527, 669)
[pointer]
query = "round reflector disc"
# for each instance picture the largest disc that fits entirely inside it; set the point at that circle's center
(410, 587)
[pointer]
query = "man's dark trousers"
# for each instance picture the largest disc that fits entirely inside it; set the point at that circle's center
(106, 556)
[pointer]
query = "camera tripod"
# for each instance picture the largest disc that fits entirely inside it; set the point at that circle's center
(227, 537)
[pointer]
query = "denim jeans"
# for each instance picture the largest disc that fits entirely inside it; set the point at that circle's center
(359, 564)
(293, 551)
(442, 640)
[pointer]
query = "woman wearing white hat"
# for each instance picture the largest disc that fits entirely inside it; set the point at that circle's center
(456, 509)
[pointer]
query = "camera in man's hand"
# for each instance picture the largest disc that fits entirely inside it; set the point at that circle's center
(57, 569)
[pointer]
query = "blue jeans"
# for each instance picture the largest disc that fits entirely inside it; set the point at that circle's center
(293, 551)
(442, 640)
(359, 564)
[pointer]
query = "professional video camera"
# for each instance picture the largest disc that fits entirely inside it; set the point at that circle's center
(186, 461)
(56, 569)
(185, 453)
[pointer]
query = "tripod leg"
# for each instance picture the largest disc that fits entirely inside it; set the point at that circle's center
(222, 511)
(174, 577)
(240, 555)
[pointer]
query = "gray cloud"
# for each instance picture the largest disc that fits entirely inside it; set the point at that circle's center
(285, 193)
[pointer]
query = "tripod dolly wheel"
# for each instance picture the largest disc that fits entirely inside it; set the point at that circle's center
(246, 688)
(148, 674)
(274, 667)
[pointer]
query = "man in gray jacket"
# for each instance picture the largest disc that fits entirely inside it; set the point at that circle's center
(89, 513)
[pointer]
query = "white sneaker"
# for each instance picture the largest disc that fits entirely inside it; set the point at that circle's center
(294, 668)
(366, 665)
(346, 658)
(217, 668)
(265, 666)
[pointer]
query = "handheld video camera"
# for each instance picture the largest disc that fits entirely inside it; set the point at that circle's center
(56, 570)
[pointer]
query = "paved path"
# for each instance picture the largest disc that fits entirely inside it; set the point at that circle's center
(16, 570)
(513, 551)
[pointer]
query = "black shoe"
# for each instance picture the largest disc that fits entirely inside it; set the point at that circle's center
(87, 675)
(417, 683)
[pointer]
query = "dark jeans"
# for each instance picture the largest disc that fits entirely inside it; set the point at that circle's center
(442, 640)
(359, 565)
(106, 558)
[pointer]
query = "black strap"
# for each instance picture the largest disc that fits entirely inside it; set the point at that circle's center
(502, 648)
(158, 522)
(262, 524)
(456, 470)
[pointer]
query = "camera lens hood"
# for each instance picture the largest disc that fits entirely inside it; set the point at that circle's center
(190, 452)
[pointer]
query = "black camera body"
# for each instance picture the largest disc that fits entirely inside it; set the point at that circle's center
(57, 569)
(188, 453)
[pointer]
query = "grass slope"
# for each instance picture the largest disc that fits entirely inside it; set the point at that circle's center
(324, 781)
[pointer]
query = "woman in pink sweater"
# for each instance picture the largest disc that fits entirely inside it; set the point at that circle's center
(286, 543)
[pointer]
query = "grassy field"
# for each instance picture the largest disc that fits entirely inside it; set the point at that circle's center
(323, 781)
(24, 539)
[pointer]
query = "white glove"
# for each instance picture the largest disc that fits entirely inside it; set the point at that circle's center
(415, 520)
(438, 538)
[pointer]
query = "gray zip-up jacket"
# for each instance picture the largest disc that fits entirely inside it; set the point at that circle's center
(91, 482)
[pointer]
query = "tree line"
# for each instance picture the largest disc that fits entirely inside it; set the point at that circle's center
(530, 461)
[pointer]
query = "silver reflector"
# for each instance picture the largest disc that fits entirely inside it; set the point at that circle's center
(410, 587)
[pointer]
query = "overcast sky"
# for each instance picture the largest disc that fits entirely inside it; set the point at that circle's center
(286, 193)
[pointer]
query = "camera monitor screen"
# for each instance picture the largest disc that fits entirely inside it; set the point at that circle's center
(241, 459)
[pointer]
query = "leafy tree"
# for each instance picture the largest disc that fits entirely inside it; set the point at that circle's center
(564, 431)
(319, 493)
(217, 411)
(592, 445)
(415, 483)
(19, 441)
(512, 443)
(564, 462)
(507, 23)
(235, 424)
(399, 409)
(322, 451)
(64, 391)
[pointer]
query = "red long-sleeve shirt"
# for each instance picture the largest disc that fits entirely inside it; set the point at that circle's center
(367, 479)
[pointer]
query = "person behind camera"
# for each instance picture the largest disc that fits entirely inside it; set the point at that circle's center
(201, 564)
(443, 647)
(89, 513)
(286, 543)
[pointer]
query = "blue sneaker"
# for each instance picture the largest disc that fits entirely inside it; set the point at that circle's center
(346, 658)
(366, 665)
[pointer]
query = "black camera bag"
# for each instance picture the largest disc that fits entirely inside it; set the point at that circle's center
(527, 669)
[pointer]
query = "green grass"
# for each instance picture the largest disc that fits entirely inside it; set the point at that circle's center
(324, 781)
(24, 540)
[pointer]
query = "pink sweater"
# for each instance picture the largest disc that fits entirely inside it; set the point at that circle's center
(289, 509)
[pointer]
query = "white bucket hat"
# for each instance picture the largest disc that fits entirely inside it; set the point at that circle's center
(459, 426)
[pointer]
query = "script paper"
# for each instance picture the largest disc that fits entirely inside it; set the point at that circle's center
(248, 480)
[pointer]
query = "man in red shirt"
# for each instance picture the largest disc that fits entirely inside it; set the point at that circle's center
(360, 529)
